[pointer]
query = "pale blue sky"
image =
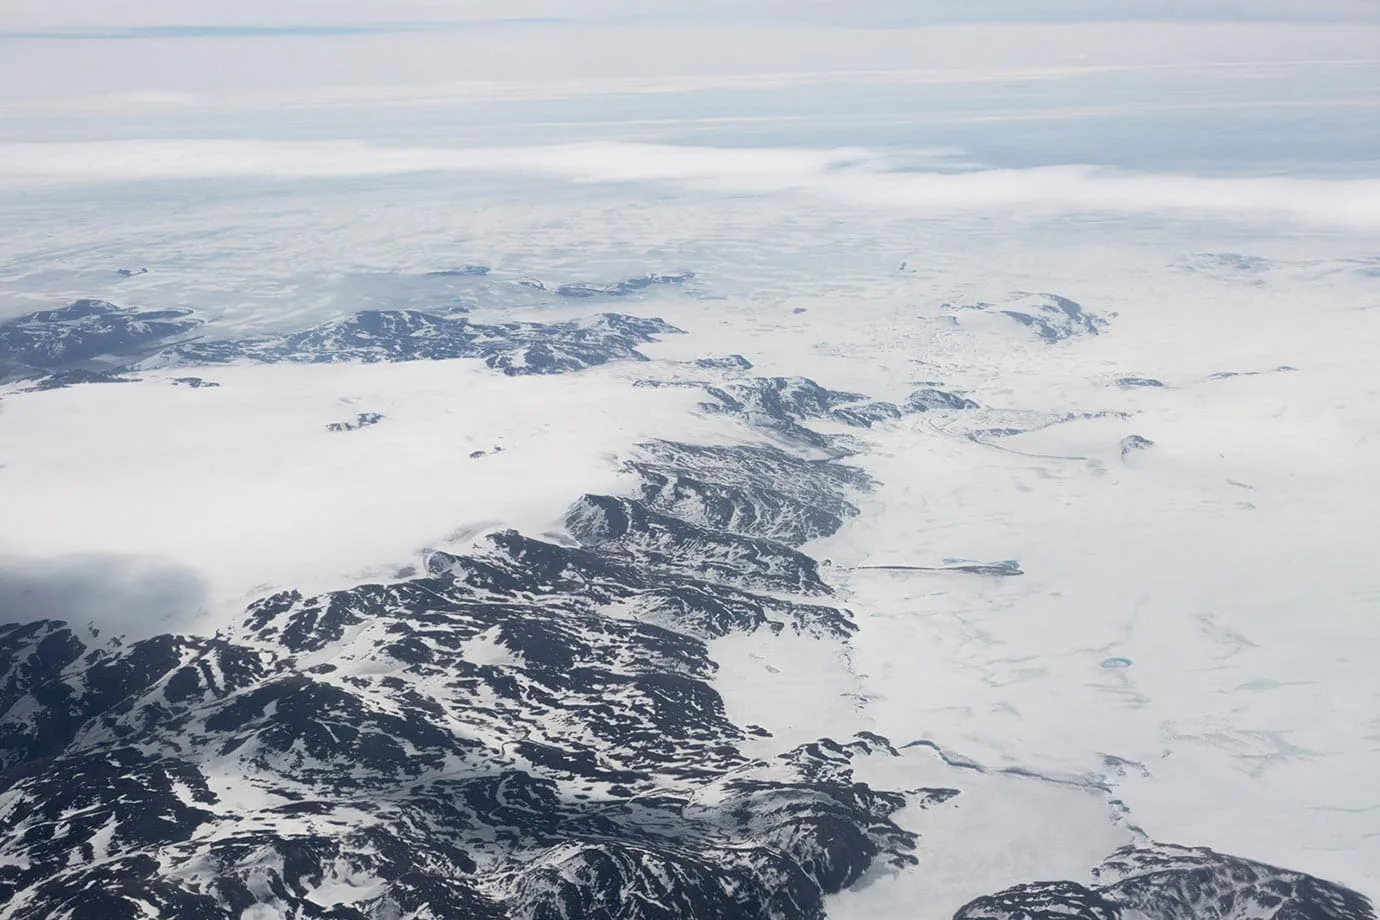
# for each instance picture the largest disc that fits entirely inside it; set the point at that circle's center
(1202, 86)
(63, 15)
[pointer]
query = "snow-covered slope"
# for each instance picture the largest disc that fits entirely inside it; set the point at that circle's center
(535, 718)
(85, 331)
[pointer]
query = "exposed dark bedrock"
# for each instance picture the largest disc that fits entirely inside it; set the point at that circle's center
(483, 740)
(1163, 882)
(61, 343)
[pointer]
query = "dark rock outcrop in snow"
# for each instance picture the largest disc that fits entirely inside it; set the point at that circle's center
(85, 331)
(755, 490)
(1226, 375)
(90, 330)
(453, 753)
(410, 335)
(928, 398)
(783, 404)
(621, 288)
(1160, 882)
(659, 542)
(1050, 316)
(727, 362)
(362, 420)
(1134, 442)
(1058, 318)
(527, 731)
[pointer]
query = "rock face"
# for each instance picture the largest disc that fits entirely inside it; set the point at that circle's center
(1133, 443)
(526, 731)
(1050, 316)
(727, 362)
(782, 404)
(928, 398)
(56, 341)
(659, 542)
(49, 340)
(1161, 882)
(1227, 375)
(361, 420)
(410, 335)
(749, 490)
(1041, 901)
(620, 288)
(1054, 318)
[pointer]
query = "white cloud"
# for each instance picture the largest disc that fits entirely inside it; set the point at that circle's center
(849, 175)
(49, 75)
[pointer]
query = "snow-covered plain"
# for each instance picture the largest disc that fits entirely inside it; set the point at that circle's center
(244, 486)
(1203, 608)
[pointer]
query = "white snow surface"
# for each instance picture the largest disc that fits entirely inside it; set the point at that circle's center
(1204, 609)
(244, 486)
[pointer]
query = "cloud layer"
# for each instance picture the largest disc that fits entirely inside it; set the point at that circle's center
(849, 175)
(128, 595)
